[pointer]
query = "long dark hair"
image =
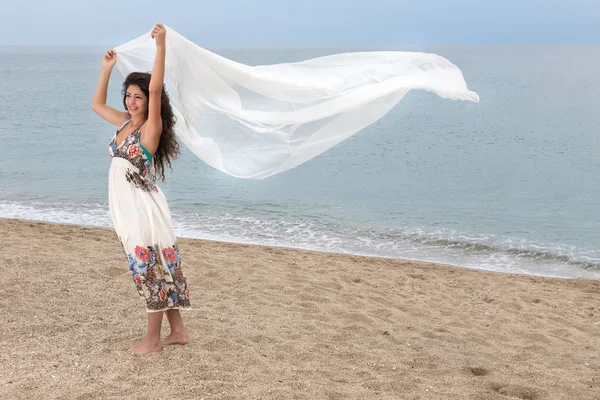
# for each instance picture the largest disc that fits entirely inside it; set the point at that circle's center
(168, 147)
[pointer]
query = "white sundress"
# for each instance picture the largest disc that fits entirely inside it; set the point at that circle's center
(142, 221)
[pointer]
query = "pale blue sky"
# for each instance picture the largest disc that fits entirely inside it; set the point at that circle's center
(241, 23)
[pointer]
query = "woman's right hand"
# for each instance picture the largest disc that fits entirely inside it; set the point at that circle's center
(109, 60)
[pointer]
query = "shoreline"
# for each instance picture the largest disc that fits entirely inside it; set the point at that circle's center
(286, 247)
(271, 323)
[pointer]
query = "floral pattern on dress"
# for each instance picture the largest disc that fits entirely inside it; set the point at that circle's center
(112, 149)
(130, 149)
(140, 182)
(159, 279)
(134, 150)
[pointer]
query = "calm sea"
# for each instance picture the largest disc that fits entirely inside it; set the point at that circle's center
(509, 184)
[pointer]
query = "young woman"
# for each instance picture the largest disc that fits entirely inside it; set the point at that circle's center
(143, 144)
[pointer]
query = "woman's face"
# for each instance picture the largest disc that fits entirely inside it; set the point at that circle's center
(136, 101)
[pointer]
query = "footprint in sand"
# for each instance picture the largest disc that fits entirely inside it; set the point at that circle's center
(478, 371)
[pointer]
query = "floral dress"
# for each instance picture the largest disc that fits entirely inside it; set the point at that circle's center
(142, 221)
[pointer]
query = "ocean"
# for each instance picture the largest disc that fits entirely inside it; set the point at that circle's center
(509, 184)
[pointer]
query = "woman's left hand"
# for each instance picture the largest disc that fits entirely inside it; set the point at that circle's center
(159, 33)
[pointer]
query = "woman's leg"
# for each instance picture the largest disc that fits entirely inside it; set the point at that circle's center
(178, 333)
(151, 342)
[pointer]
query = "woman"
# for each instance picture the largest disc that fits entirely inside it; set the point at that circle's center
(143, 144)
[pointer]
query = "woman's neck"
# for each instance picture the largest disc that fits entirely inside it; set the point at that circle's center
(137, 122)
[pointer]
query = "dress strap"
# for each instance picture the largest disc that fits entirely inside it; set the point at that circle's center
(122, 126)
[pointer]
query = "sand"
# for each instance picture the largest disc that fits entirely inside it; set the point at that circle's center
(274, 323)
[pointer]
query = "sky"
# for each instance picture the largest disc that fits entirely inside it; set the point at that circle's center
(303, 23)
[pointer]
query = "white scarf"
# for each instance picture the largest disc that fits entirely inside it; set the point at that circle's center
(254, 122)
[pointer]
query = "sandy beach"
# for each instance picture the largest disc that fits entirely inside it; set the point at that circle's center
(273, 323)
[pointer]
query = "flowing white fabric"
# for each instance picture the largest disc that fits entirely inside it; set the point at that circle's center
(257, 121)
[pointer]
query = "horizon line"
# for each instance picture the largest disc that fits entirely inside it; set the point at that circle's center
(322, 46)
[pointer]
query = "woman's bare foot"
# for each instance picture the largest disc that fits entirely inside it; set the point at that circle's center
(176, 338)
(147, 346)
